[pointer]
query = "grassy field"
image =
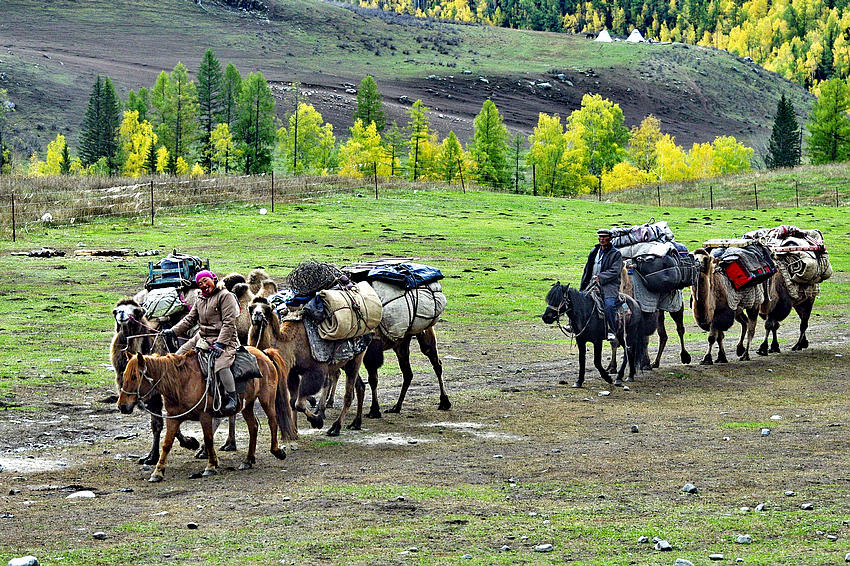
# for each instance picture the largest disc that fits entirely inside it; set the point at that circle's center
(519, 460)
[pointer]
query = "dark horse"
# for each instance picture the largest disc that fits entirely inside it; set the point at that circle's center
(588, 326)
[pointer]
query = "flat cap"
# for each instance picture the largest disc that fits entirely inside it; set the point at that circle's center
(604, 232)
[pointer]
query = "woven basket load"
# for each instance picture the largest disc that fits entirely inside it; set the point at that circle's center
(312, 276)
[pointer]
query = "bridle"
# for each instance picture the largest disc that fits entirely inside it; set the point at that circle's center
(143, 374)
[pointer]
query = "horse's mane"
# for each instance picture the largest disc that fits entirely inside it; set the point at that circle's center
(555, 296)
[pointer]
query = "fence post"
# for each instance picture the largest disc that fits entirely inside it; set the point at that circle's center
(836, 196)
(756, 192)
(797, 192)
(272, 191)
(711, 195)
(460, 170)
(14, 234)
(534, 177)
(375, 168)
(152, 209)
(658, 193)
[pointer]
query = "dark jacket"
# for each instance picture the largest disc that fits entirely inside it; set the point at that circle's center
(609, 272)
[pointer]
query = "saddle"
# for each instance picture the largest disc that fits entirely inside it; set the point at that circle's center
(244, 368)
(623, 310)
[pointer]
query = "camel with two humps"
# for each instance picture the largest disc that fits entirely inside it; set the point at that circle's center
(183, 388)
(135, 334)
(713, 313)
(308, 378)
(783, 306)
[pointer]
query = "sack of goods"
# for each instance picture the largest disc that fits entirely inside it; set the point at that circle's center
(649, 232)
(801, 253)
(174, 270)
(350, 313)
(409, 311)
(747, 267)
(674, 270)
(162, 302)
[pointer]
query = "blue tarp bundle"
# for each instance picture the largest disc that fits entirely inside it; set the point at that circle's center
(405, 275)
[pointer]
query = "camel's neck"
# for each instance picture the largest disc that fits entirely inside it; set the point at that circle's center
(703, 306)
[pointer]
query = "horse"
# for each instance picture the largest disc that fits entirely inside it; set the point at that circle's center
(308, 378)
(133, 335)
(178, 379)
(588, 326)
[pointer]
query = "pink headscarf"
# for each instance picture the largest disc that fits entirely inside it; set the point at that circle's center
(205, 273)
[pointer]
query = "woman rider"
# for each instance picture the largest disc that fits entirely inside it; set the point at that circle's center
(216, 311)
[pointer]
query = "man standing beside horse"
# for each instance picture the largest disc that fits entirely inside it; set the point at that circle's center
(603, 268)
(216, 312)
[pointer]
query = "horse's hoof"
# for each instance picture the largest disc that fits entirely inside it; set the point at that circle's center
(190, 443)
(577, 385)
(201, 454)
(278, 453)
(445, 404)
(721, 360)
(209, 472)
(229, 446)
(374, 414)
(354, 426)
(246, 465)
(150, 459)
(316, 422)
(775, 350)
(796, 347)
(155, 478)
(739, 349)
(655, 365)
(686, 358)
(334, 430)
(396, 409)
(607, 379)
(647, 367)
(745, 357)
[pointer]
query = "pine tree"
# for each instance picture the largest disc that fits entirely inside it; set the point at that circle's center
(231, 87)
(99, 137)
(65, 162)
(4, 108)
(490, 147)
(175, 102)
(784, 145)
(209, 101)
(369, 104)
(254, 129)
(418, 126)
(394, 145)
(516, 151)
(139, 102)
(829, 125)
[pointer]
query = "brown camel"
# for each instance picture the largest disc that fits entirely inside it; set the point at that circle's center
(802, 303)
(308, 378)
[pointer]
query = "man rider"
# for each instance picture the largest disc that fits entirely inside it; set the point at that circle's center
(603, 267)
(216, 311)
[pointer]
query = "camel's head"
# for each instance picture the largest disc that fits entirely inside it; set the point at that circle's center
(704, 260)
(127, 312)
(557, 302)
(131, 385)
(261, 312)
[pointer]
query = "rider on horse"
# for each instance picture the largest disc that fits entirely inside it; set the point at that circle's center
(216, 312)
(603, 268)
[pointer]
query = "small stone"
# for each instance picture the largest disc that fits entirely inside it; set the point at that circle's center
(626, 388)
(776, 417)
(807, 507)
(715, 557)
(544, 548)
(656, 539)
(832, 538)
(498, 456)
(556, 450)
(790, 493)
(760, 507)
(745, 509)
(466, 557)
(285, 498)
(689, 488)
(505, 548)
(765, 432)
(146, 467)
(739, 560)
(643, 539)
(683, 562)
(413, 549)
(400, 498)
(604, 393)
(413, 441)
(24, 561)
(160, 514)
(744, 539)
(191, 525)
(635, 428)
(99, 535)
(85, 494)
(14, 491)
(663, 546)
(847, 557)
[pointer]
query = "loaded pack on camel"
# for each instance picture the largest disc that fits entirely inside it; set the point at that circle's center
(413, 300)
(735, 282)
(323, 323)
(803, 263)
(656, 269)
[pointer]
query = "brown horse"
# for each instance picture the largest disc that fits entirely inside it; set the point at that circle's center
(178, 379)
(308, 378)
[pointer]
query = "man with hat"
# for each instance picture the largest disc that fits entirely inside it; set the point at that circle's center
(215, 311)
(604, 265)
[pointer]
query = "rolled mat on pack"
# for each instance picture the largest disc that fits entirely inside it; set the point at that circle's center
(409, 311)
(350, 313)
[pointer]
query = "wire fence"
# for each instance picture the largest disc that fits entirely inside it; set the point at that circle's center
(26, 201)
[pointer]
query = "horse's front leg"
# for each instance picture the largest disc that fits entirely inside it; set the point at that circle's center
(679, 318)
(156, 431)
(212, 459)
(612, 365)
(662, 340)
(253, 427)
(171, 428)
(597, 362)
(582, 360)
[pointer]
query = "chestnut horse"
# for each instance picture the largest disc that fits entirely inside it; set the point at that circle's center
(178, 379)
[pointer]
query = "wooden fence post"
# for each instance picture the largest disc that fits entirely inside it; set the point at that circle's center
(460, 170)
(797, 192)
(836, 196)
(658, 193)
(756, 192)
(534, 177)
(375, 168)
(711, 195)
(272, 191)
(152, 208)
(14, 234)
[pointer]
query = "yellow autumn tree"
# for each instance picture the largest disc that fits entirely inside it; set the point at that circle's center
(136, 140)
(362, 153)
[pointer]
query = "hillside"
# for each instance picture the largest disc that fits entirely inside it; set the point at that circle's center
(51, 53)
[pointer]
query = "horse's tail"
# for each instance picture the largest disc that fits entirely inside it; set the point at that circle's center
(285, 421)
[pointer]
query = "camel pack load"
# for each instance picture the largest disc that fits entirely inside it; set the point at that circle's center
(663, 264)
(168, 281)
(349, 312)
(745, 262)
(801, 255)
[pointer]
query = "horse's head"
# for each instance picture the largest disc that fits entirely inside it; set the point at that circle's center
(127, 312)
(135, 382)
(557, 302)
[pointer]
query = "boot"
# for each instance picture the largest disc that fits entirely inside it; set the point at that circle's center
(231, 403)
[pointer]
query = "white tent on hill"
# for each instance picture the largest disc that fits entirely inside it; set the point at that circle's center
(636, 37)
(603, 36)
